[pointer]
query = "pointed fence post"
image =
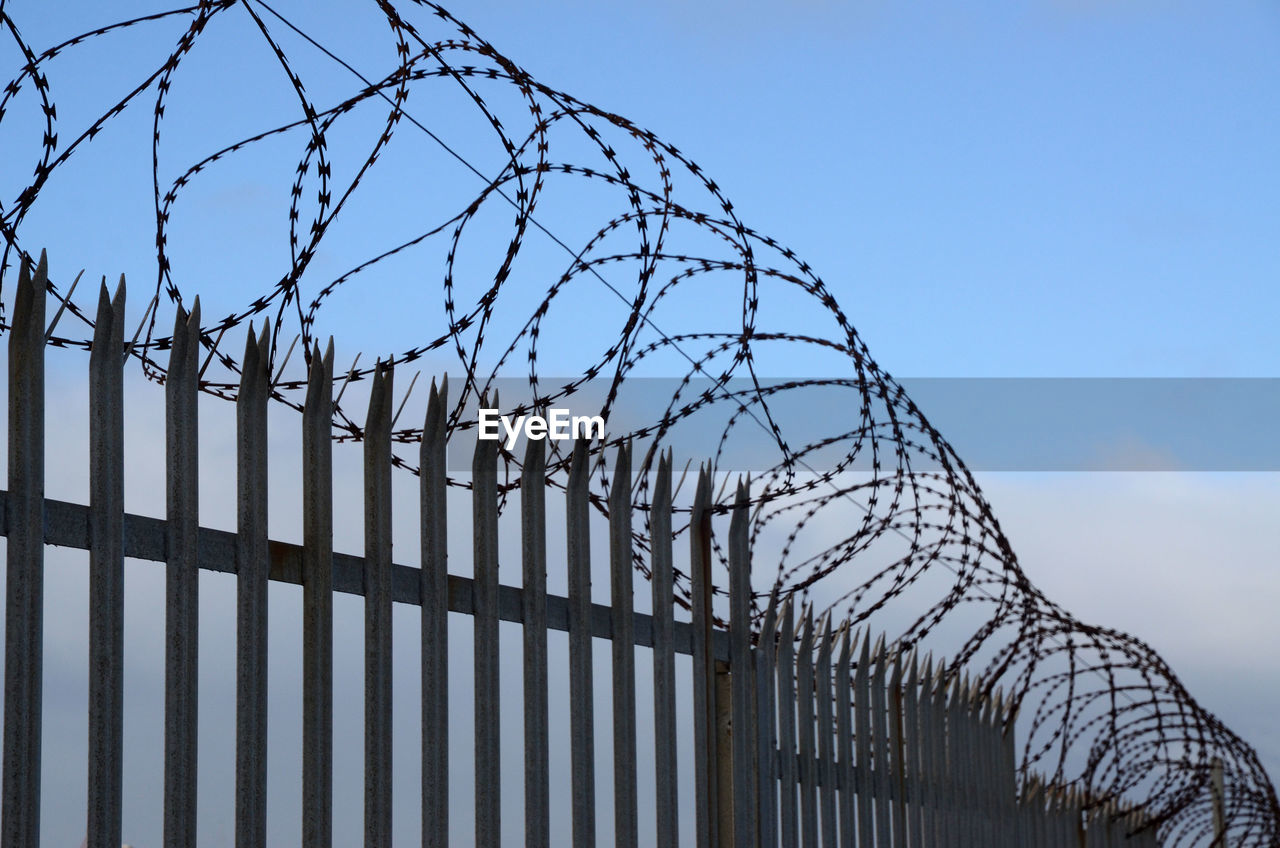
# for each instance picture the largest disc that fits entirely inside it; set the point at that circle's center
(106, 571)
(704, 680)
(317, 603)
(24, 552)
(182, 581)
(434, 589)
(623, 645)
(744, 734)
(788, 779)
(253, 562)
(377, 611)
(581, 691)
(488, 768)
(533, 536)
(766, 730)
(664, 666)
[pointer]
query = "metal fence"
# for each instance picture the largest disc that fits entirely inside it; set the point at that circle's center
(801, 735)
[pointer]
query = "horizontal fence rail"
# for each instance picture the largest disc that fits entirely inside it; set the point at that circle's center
(803, 735)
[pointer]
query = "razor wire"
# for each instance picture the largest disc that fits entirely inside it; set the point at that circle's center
(1099, 709)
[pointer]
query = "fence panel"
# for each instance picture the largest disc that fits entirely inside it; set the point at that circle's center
(887, 753)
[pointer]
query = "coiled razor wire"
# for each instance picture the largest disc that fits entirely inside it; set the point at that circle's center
(1100, 710)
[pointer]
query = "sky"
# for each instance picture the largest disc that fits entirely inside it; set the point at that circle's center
(1038, 189)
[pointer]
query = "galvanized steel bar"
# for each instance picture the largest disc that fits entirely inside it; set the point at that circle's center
(704, 697)
(24, 581)
(741, 664)
(808, 750)
(317, 603)
(766, 728)
(788, 779)
(106, 571)
(182, 581)
(581, 693)
(664, 667)
(253, 563)
(826, 738)
(622, 602)
(897, 756)
(488, 766)
(433, 594)
(879, 746)
(844, 739)
(377, 611)
(912, 779)
(862, 742)
(533, 540)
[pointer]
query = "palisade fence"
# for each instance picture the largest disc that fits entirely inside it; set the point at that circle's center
(801, 735)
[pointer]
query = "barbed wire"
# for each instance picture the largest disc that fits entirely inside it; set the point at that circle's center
(1100, 709)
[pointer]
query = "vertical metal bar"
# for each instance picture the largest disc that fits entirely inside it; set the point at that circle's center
(704, 698)
(581, 713)
(432, 482)
(986, 746)
(253, 562)
(1009, 776)
(377, 611)
(804, 715)
(744, 734)
(844, 738)
(862, 742)
(880, 745)
(317, 603)
(926, 786)
(826, 738)
(911, 738)
(24, 589)
(788, 812)
(106, 570)
(623, 644)
(1219, 796)
(182, 583)
(897, 756)
(488, 775)
(724, 755)
(766, 729)
(533, 518)
(664, 665)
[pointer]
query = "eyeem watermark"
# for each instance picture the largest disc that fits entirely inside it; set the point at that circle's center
(558, 424)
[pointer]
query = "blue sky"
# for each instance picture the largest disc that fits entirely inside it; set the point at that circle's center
(1037, 189)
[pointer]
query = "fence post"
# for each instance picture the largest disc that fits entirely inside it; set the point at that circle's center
(106, 571)
(766, 733)
(252, 569)
(862, 740)
(808, 753)
(880, 743)
(623, 644)
(581, 693)
(488, 768)
(844, 737)
(826, 737)
(744, 732)
(664, 666)
(788, 815)
(317, 604)
(377, 610)
(434, 588)
(704, 680)
(533, 516)
(24, 586)
(182, 581)
(1219, 797)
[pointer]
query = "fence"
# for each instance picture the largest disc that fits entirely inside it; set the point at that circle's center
(802, 735)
